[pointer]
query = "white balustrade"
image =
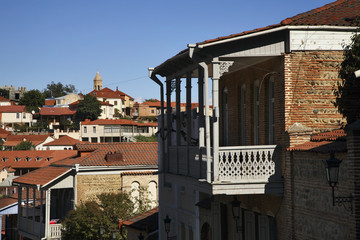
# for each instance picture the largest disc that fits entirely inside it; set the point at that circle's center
(55, 231)
(242, 164)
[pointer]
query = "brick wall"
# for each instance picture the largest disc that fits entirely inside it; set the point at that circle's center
(310, 78)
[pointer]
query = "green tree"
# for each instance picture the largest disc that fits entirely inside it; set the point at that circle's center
(89, 108)
(33, 100)
(151, 100)
(4, 93)
(24, 145)
(85, 221)
(347, 94)
(141, 138)
(58, 90)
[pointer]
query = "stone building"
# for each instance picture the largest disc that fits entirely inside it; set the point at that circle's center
(272, 88)
(99, 168)
(15, 95)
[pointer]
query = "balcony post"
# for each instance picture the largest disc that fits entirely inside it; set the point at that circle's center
(178, 121)
(168, 122)
(47, 211)
(188, 119)
(215, 97)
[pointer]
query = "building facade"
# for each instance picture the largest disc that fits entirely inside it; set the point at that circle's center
(271, 88)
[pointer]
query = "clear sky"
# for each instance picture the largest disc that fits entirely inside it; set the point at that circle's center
(68, 41)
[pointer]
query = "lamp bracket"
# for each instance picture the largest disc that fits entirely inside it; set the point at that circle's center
(346, 202)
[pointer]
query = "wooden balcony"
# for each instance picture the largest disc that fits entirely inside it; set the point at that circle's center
(236, 170)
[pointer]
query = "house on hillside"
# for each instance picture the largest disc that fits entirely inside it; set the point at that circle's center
(271, 88)
(100, 168)
(37, 140)
(14, 114)
(15, 94)
(4, 101)
(63, 143)
(120, 100)
(57, 117)
(64, 101)
(114, 130)
(144, 224)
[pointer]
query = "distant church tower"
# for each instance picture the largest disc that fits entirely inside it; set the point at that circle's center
(97, 82)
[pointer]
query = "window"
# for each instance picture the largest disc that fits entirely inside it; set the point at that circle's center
(225, 115)
(94, 129)
(4, 159)
(243, 114)
(38, 158)
(85, 139)
(17, 115)
(27, 159)
(152, 190)
(17, 159)
(256, 113)
(85, 129)
(152, 111)
(271, 101)
(115, 102)
(24, 115)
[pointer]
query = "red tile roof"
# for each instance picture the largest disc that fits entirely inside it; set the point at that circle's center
(13, 140)
(12, 109)
(324, 142)
(2, 99)
(63, 141)
(42, 176)
(55, 111)
(116, 154)
(33, 159)
(50, 102)
(338, 13)
(7, 202)
(4, 133)
(145, 221)
(116, 122)
(106, 93)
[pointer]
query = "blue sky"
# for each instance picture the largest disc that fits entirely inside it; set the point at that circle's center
(68, 41)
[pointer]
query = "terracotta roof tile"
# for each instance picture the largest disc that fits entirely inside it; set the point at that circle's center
(4, 133)
(2, 99)
(12, 109)
(115, 122)
(338, 13)
(324, 142)
(56, 111)
(13, 140)
(145, 221)
(63, 141)
(125, 154)
(42, 176)
(7, 201)
(33, 159)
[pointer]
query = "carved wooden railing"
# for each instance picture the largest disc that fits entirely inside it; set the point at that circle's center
(241, 164)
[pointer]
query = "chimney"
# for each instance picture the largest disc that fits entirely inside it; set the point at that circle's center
(112, 157)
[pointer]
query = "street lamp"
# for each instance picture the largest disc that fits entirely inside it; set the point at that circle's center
(141, 237)
(236, 210)
(167, 222)
(332, 175)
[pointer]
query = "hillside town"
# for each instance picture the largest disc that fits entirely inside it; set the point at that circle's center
(268, 150)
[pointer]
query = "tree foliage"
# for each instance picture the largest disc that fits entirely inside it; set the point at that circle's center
(140, 138)
(33, 100)
(4, 93)
(58, 90)
(24, 145)
(89, 108)
(85, 221)
(348, 92)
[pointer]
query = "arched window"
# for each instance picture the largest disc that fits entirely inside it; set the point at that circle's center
(152, 193)
(135, 193)
(205, 232)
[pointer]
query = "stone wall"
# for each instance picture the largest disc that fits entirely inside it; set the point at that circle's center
(88, 186)
(314, 215)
